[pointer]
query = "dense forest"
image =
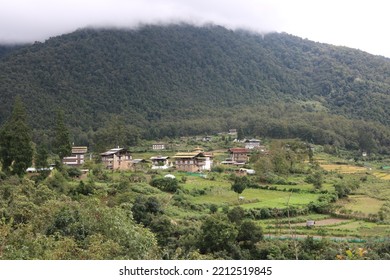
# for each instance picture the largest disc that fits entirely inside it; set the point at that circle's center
(168, 81)
(105, 88)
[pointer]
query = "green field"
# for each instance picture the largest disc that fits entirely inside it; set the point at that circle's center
(219, 192)
(362, 203)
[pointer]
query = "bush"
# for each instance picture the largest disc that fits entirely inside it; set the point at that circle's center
(85, 189)
(165, 184)
(57, 182)
(265, 213)
(74, 172)
(213, 208)
(217, 169)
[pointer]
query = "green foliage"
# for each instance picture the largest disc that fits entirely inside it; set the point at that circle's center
(73, 172)
(41, 158)
(165, 184)
(217, 234)
(280, 163)
(62, 145)
(213, 208)
(144, 209)
(85, 188)
(249, 233)
(57, 182)
(217, 168)
(240, 184)
(115, 131)
(345, 187)
(39, 223)
(163, 227)
(16, 150)
(316, 178)
(236, 215)
(280, 86)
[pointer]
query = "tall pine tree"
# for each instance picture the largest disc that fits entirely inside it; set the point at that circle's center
(16, 151)
(62, 145)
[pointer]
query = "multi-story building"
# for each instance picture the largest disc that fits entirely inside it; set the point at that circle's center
(77, 158)
(239, 155)
(117, 159)
(193, 161)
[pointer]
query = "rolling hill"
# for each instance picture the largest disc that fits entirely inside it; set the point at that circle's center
(174, 80)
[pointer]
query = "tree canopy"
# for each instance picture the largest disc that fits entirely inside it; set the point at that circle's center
(177, 80)
(16, 151)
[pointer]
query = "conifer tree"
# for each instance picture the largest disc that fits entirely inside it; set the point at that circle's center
(62, 145)
(41, 157)
(16, 151)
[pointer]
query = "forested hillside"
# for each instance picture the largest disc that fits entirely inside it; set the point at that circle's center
(176, 80)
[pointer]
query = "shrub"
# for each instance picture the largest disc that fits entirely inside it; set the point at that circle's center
(217, 169)
(74, 172)
(165, 184)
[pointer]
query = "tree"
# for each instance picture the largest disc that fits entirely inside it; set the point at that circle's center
(240, 134)
(366, 141)
(249, 233)
(41, 158)
(239, 185)
(16, 151)
(316, 179)
(217, 234)
(279, 160)
(62, 145)
(145, 209)
(236, 215)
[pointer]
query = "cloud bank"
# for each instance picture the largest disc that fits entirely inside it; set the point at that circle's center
(359, 24)
(28, 21)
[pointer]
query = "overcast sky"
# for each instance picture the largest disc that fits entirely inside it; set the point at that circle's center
(361, 24)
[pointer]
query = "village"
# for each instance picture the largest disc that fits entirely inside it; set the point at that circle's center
(164, 157)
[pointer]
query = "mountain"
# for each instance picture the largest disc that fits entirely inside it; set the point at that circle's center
(176, 80)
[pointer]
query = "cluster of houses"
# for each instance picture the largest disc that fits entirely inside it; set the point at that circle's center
(195, 161)
(121, 159)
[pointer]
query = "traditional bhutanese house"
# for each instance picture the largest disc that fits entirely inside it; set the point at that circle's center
(160, 162)
(252, 144)
(239, 155)
(193, 161)
(77, 158)
(117, 159)
(158, 146)
(207, 159)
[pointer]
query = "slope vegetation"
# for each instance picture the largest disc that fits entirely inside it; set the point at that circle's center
(175, 80)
